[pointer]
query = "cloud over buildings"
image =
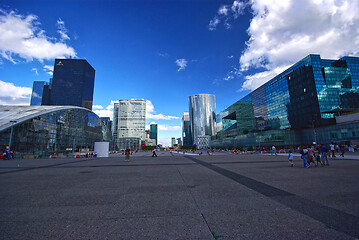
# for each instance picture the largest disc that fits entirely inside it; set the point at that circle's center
(21, 38)
(283, 32)
(14, 95)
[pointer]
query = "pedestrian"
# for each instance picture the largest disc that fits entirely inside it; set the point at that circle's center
(342, 150)
(311, 155)
(274, 151)
(127, 154)
(154, 153)
(332, 149)
(290, 158)
(7, 153)
(304, 154)
(324, 156)
(317, 157)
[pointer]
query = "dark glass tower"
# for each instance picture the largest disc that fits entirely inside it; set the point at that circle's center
(37, 93)
(72, 83)
(153, 132)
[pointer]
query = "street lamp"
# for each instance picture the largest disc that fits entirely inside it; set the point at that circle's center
(12, 125)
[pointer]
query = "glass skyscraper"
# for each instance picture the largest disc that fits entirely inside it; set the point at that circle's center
(186, 129)
(202, 114)
(72, 83)
(153, 132)
(305, 96)
(37, 93)
(131, 118)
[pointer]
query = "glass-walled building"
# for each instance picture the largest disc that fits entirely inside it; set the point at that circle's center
(46, 130)
(186, 129)
(37, 92)
(130, 116)
(73, 83)
(305, 96)
(202, 114)
(153, 132)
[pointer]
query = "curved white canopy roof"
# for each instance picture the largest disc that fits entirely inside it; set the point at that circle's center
(19, 114)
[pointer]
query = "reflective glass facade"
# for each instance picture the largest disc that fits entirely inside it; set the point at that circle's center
(305, 95)
(186, 129)
(131, 118)
(153, 132)
(37, 91)
(46, 131)
(72, 83)
(202, 114)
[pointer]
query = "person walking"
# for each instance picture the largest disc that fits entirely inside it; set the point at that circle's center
(304, 154)
(317, 156)
(127, 154)
(274, 151)
(154, 153)
(324, 156)
(342, 150)
(332, 149)
(290, 158)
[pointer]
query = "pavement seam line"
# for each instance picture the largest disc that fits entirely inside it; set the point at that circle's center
(336, 219)
(194, 199)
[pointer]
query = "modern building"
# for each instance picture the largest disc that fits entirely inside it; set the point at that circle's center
(116, 107)
(173, 142)
(153, 132)
(40, 131)
(296, 107)
(131, 123)
(186, 129)
(147, 134)
(179, 141)
(37, 91)
(72, 83)
(202, 114)
(107, 129)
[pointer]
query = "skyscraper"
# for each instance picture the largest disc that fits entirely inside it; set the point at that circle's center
(173, 142)
(186, 129)
(153, 131)
(131, 115)
(72, 83)
(37, 93)
(202, 114)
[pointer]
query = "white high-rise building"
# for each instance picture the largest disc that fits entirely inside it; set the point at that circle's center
(131, 123)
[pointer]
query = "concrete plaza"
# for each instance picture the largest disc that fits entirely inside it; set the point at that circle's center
(177, 196)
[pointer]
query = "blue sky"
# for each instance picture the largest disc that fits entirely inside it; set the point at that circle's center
(164, 51)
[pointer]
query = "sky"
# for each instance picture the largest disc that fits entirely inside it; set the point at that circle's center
(164, 51)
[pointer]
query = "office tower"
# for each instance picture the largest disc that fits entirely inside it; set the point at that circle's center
(296, 107)
(72, 83)
(116, 107)
(179, 141)
(173, 142)
(202, 114)
(107, 129)
(186, 129)
(131, 123)
(153, 131)
(37, 93)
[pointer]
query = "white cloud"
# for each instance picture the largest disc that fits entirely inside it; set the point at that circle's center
(181, 63)
(49, 69)
(165, 142)
(35, 71)
(151, 113)
(223, 10)
(213, 23)
(226, 13)
(21, 36)
(14, 95)
(283, 32)
(62, 30)
(97, 107)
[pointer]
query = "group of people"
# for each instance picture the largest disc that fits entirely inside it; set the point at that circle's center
(8, 154)
(316, 155)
